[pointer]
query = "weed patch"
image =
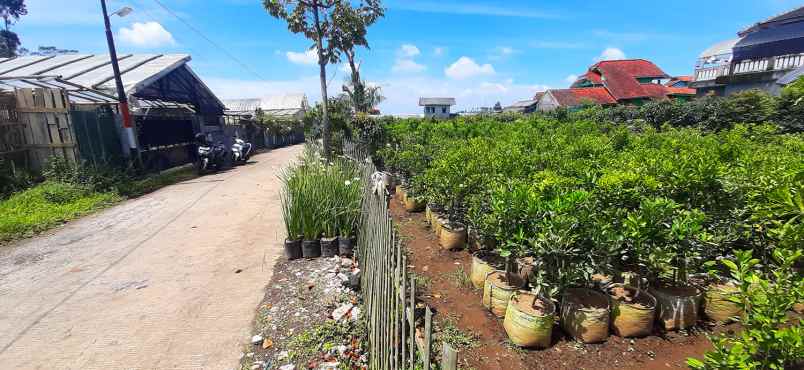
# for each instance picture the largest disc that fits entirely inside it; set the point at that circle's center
(448, 332)
(460, 278)
(53, 202)
(47, 205)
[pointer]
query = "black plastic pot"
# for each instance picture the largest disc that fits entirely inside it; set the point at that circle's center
(329, 247)
(293, 249)
(311, 249)
(346, 246)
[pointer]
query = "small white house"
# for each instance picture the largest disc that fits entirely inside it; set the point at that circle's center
(436, 107)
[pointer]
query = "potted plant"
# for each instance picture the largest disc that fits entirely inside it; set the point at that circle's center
(293, 229)
(529, 320)
(632, 310)
(329, 241)
(349, 218)
(668, 263)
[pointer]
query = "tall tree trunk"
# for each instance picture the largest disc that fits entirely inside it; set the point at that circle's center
(322, 66)
(358, 92)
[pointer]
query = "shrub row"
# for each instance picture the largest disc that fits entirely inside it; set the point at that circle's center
(708, 113)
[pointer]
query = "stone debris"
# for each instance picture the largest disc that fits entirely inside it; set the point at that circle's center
(303, 294)
(342, 311)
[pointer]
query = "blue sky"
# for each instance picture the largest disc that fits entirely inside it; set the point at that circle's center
(479, 52)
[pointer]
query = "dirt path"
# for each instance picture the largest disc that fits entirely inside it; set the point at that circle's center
(170, 280)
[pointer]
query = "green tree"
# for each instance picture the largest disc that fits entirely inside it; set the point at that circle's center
(351, 24)
(313, 19)
(9, 42)
(12, 10)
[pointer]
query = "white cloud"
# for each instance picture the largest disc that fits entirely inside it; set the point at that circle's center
(345, 69)
(465, 68)
(146, 35)
(309, 57)
(506, 50)
(571, 78)
(407, 66)
(611, 54)
(409, 51)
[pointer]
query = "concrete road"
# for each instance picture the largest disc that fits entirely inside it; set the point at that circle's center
(170, 280)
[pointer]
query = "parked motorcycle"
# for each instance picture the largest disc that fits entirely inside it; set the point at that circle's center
(209, 155)
(241, 151)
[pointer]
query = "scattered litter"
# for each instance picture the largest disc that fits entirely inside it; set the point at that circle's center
(267, 344)
(287, 367)
(282, 356)
(256, 339)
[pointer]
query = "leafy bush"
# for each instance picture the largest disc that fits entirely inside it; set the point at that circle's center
(708, 113)
(13, 180)
(790, 111)
(769, 338)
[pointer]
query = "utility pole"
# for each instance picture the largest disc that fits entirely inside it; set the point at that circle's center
(121, 92)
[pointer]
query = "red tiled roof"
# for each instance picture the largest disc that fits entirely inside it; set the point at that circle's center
(677, 79)
(593, 77)
(579, 96)
(620, 77)
(633, 67)
(680, 91)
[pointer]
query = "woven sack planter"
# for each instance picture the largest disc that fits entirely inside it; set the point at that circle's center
(529, 320)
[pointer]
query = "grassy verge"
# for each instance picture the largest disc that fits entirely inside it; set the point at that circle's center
(53, 203)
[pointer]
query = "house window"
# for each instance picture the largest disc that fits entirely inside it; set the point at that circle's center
(444, 110)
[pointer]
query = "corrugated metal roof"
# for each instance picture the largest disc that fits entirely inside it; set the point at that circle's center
(95, 71)
(278, 106)
(723, 47)
(791, 76)
(436, 101)
(138, 72)
(242, 105)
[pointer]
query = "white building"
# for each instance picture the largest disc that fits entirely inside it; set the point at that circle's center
(436, 107)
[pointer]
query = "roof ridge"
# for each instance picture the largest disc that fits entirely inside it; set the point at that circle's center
(768, 19)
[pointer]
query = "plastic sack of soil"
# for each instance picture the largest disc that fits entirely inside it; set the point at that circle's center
(632, 311)
(678, 306)
(529, 320)
(585, 315)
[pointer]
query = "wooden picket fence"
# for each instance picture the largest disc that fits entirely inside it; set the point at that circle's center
(35, 125)
(389, 290)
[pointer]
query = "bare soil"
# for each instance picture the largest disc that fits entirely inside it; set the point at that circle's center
(448, 297)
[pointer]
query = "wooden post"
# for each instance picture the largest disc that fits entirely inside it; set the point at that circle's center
(412, 321)
(449, 358)
(428, 337)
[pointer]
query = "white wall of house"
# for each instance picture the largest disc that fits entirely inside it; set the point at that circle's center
(437, 111)
(547, 102)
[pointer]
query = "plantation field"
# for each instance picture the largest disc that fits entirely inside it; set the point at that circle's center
(663, 209)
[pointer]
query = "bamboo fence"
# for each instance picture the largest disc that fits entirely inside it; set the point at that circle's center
(388, 289)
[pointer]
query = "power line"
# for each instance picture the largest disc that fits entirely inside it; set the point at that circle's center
(213, 43)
